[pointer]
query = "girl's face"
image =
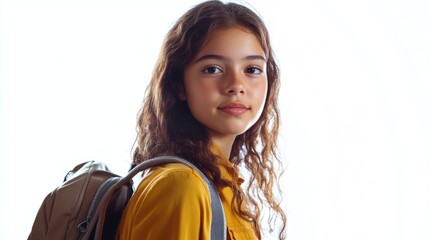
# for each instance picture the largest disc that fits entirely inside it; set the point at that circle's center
(226, 82)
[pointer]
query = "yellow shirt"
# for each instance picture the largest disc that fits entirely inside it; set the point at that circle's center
(173, 202)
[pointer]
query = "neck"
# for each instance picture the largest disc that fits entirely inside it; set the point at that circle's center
(224, 143)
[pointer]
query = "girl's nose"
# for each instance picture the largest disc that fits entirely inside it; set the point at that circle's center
(235, 84)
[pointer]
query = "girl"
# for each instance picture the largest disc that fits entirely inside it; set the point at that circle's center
(213, 101)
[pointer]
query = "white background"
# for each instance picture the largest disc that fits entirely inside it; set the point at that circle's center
(354, 101)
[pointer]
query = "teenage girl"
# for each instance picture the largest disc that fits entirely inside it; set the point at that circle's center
(212, 100)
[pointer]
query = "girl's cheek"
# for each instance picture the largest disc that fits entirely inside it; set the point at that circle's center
(209, 87)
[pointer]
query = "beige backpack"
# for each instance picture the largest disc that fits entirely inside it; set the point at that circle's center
(90, 202)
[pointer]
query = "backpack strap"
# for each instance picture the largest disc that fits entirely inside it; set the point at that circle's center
(218, 224)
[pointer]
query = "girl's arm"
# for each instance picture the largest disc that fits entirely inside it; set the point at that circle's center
(171, 203)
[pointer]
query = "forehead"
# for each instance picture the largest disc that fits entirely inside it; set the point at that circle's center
(232, 42)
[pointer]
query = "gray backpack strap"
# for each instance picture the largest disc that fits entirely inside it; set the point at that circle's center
(218, 227)
(218, 224)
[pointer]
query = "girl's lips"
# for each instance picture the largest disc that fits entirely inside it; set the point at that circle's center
(235, 109)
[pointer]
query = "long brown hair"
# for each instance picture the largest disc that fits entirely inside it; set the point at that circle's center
(167, 127)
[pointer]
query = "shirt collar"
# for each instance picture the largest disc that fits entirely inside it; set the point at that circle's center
(227, 170)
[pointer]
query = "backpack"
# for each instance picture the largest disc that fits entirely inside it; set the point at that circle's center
(90, 202)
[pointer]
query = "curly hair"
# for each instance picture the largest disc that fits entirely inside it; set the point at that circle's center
(167, 127)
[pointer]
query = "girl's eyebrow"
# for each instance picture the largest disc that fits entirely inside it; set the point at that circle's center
(223, 58)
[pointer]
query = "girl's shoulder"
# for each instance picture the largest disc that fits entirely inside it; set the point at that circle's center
(171, 193)
(173, 178)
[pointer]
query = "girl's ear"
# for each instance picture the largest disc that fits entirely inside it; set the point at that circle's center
(181, 94)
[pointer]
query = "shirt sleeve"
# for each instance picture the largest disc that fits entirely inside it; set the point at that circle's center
(174, 205)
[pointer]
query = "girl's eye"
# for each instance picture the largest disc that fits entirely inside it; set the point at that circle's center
(254, 70)
(212, 70)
